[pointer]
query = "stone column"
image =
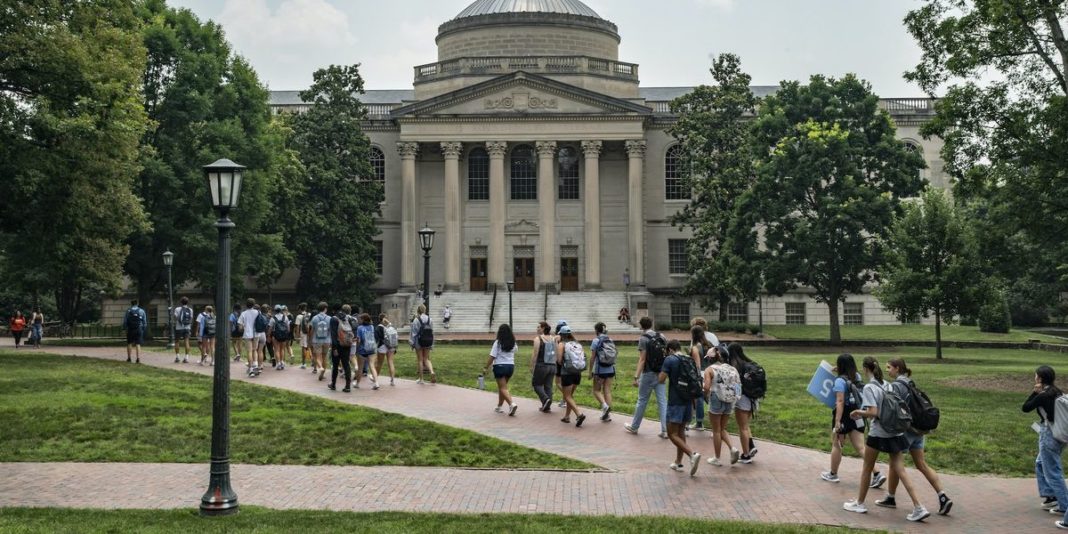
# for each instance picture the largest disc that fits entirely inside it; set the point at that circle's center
(636, 224)
(592, 204)
(497, 274)
(409, 226)
(548, 270)
(453, 241)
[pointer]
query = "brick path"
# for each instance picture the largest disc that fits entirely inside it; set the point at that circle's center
(783, 485)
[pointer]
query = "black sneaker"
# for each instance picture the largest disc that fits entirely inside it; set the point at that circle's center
(581, 418)
(745, 459)
(347, 390)
(547, 405)
(877, 480)
(887, 502)
(128, 360)
(331, 387)
(945, 503)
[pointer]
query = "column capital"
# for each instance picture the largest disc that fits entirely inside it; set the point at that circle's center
(546, 149)
(592, 149)
(408, 149)
(452, 149)
(496, 148)
(636, 148)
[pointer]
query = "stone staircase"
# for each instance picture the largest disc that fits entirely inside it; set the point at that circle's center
(583, 310)
(470, 311)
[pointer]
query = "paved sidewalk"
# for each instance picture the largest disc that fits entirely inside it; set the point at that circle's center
(783, 485)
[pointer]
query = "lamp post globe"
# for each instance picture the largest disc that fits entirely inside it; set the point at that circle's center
(426, 241)
(168, 261)
(224, 187)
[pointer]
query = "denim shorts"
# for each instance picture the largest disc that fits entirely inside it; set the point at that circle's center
(718, 407)
(503, 371)
(745, 404)
(679, 414)
(916, 443)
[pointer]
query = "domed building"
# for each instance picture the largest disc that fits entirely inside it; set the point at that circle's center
(543, 164)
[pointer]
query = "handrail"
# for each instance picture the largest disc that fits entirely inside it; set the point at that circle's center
(493, 306)
(545, 308)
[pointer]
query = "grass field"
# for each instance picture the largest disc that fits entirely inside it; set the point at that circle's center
(978, 391)
(56, 408)
(905, 332)
(260, 520)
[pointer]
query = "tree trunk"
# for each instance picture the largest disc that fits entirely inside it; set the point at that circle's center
(938, 333)
(836, 333)
(724, 301)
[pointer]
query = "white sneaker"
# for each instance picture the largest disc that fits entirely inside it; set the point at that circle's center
(186, 359)
(561, 404)
(512, 409)
(632, 430)
(695, 462)
(829, 476)
(391, 382)
(498, 410)
(919, 513)
(663, 435)
(734, 456)
(302, 366)
(419, 381)
(676, 467)
(374, 386)
(714, 461)
(177, 359)
(854, 506)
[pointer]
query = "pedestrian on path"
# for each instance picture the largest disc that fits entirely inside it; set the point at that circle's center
(17, 326)
(386, 335)
(901, 377)
(133, 322)
(571, 358)
(206, 323)
(543, 366)
(300, 329)
(365, 348)
(1048, 468)
(502, 358)
(183, 329)
(881, 440)
(679, 408)
(746, 406)
(422, 341)
(253, 349)
(559, 368)
(723, 387)
(340, 329)
(652, 349)
(700, 351)
(603, 369)
(236, 329)
(320, 340)
(848, 399)
(37, 328)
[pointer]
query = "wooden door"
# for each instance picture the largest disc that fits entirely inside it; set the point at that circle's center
(569, 280)
(478, 274)
(524, 274)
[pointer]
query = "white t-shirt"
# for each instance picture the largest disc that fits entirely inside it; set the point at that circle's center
(500, 357)
(178, 312)
(248, 318)
(446, 313)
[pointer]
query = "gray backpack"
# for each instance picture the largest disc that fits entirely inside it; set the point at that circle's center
(548, 351)
(1059, 428)
(894, 415)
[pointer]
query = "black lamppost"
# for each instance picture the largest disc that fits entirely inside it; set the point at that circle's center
(168, 260)
(426, 239)
(224, 183)
(511, 287)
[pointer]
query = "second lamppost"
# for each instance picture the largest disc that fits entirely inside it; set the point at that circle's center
(168, 260)
(426, 240)
(511, 287)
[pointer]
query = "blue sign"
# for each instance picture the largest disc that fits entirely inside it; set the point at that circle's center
(822, 384)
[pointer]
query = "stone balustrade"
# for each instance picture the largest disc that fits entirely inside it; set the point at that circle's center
(534, 64)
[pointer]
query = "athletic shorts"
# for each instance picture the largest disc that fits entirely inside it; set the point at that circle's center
(888, 445)
(503, 370)
(679, 414)
(206, 338)
(382, 349)
(570, 380)
(718, 407)
(259, 341)
(181, 333)
(605, 375)
(135, 337)
(303, 341)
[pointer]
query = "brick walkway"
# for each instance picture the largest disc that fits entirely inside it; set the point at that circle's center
(783, 485)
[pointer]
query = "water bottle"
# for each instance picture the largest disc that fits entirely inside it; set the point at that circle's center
(481, 381)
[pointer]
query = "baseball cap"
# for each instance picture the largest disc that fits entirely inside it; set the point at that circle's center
(561, 322)
(564, 329)
(277, 307)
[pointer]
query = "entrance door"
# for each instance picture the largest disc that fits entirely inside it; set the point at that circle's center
(524, 274)
(569, 274)
(478, 274)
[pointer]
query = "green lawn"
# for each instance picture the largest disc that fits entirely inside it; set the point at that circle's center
(979, 392)
(905, 332)
(60, 408)
(260, 520)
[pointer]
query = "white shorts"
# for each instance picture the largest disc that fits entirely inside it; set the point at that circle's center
(303, 341)
(382, 349)
(260, 340)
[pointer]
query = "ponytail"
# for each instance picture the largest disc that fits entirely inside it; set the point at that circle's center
(872, 365)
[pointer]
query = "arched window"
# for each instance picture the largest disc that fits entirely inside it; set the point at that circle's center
(674, 186)
(567, 170)
(478, 175)
(524, 173)
(378, 164)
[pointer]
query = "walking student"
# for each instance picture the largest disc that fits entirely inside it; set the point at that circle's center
(679, 408)
(652, 349)
(603, 370)
(723, 387)
(901, 377)
(571, 358)
(37, 328)
(254, 351)
(844, 427)
(206, 334)
(881, 440)
(559, 369)
(543, 366)
(17, 326)
(1049, 471)
(446, 316)
(321, 340)
(300, 328)
(133, 322)
(280, 331)
(264, 335)
(236, 330)
(746, 405)
(422, 341)
(366, 347)
(341, 338)
(502, 358)
(387, 348)
(700, 347)
(183, 328)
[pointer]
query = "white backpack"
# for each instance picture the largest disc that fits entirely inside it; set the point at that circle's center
(574, 358)
(1059, 428)
(391, 337)
(727, 386)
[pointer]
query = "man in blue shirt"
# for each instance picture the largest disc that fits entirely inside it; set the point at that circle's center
(134, 322)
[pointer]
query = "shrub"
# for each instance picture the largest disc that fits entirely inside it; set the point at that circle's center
(994, 315)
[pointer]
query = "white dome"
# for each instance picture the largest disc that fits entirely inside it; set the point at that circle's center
(490, 7)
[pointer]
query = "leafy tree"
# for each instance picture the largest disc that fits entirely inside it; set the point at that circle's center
(70, 121)
(713, 133)
(332, 214)
(1004, 119)
(205, 104)
(830, 174)
(933, 265)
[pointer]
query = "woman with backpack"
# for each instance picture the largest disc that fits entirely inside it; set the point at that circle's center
(388, 347)
(422, 342)
(502, 358)
(1048, 469)
(602, 373)
(846, 390)
(206, 324)
(699, 351)
(571, 359)
(746, 406)
(543, 366)
(723, 386)
(901, 376)
(881, 439)
(364, 349)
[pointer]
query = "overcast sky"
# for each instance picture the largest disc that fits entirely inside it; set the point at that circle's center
(671, 40)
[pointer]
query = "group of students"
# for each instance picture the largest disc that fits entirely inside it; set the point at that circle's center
(19, 324)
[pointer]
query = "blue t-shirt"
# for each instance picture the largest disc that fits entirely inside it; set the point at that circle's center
(320, 327)
(672, 369)
(841, 386)
(597, 367)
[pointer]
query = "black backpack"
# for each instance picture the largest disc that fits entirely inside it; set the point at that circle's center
(209, 326)
(688, 383)
(754, 381)
(133, 319)
(655, 351)
(425, 339)
(261, 323)
(925, 414)
(281, 329)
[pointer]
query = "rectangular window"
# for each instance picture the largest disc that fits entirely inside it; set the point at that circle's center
(911, 320)
(854, 313)
(680, 313)
(478, 177)
(378, 257)
(738, 312)
(677, 256)
(567, 169)
(795, 313)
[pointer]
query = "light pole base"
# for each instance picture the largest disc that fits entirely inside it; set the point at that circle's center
(219, 500)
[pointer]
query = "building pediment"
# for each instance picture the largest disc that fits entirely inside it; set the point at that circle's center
(519, 94)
